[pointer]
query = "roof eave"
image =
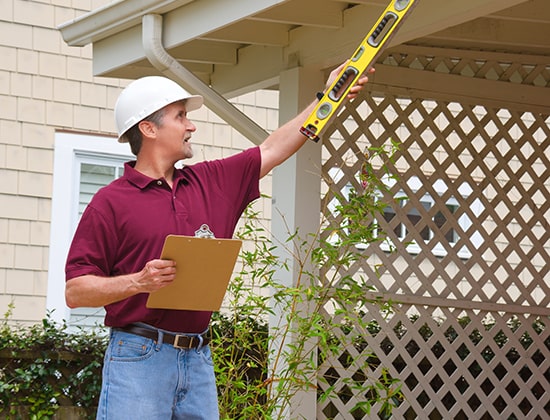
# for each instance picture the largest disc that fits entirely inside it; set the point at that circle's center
(112, 18)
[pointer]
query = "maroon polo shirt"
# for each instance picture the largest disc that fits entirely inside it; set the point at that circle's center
(125, 224)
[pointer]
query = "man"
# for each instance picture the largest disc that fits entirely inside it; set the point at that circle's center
(158, 363)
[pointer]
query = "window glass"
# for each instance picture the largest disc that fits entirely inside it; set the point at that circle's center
(417, 215)
(92, 178)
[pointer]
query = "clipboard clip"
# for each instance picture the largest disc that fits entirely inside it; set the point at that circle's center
(204, 232)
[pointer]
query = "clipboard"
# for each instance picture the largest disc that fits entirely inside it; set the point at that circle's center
(203, 270)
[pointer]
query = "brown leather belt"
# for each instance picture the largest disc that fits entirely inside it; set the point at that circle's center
(179, 341)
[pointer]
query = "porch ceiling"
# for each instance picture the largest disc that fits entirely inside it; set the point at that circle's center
(239, 46)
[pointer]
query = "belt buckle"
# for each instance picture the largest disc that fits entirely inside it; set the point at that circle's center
(188, 346)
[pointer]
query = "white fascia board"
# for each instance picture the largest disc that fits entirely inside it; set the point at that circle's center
(111, 19)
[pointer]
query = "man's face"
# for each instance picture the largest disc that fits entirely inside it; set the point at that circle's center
(174, 133)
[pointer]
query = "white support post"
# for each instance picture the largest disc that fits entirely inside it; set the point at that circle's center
(296, 203)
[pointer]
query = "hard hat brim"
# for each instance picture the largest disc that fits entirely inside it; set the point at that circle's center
(192, 103)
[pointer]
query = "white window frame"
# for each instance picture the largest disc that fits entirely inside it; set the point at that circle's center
(69, 150)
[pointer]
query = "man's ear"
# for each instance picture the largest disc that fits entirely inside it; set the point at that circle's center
(147, 128)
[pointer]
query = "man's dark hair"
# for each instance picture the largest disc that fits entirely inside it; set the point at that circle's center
(133, 135)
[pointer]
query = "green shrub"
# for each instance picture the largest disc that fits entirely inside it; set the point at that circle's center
(44, 366)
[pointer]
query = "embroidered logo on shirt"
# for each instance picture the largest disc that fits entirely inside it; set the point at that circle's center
(204, 232)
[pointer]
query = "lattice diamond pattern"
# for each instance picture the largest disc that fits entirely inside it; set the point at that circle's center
(482, 65)
(459, 364)
(496, 185)
(467, 251)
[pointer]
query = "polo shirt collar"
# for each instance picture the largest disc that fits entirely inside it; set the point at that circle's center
(143, 181)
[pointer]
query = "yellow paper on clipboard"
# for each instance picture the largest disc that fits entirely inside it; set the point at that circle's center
(203, 270)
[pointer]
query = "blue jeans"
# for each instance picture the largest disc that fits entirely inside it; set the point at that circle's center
(143, 379)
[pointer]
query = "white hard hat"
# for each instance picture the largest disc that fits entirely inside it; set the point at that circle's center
(147, 95)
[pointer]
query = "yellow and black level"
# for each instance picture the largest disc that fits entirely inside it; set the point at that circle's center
(363, 57)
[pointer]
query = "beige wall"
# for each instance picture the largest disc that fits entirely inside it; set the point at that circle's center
(45, 86)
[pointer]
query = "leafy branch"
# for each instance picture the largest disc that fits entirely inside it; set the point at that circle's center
(305, 319)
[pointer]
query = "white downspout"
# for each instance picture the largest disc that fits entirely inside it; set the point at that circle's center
(166, 64)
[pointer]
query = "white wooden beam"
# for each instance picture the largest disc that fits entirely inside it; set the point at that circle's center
(313, 13)
(257, 67)
(246, 32)
(531, 11)
(202, 51)
(496, 33)
(296, 208)
(432, 85)
(435, 15)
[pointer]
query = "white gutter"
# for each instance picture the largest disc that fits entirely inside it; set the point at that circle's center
(112, 18)
(169, 66)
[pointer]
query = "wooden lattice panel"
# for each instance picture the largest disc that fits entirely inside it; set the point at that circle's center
(456, 365)
(535, 71)
(466, 255)
(470, 206)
